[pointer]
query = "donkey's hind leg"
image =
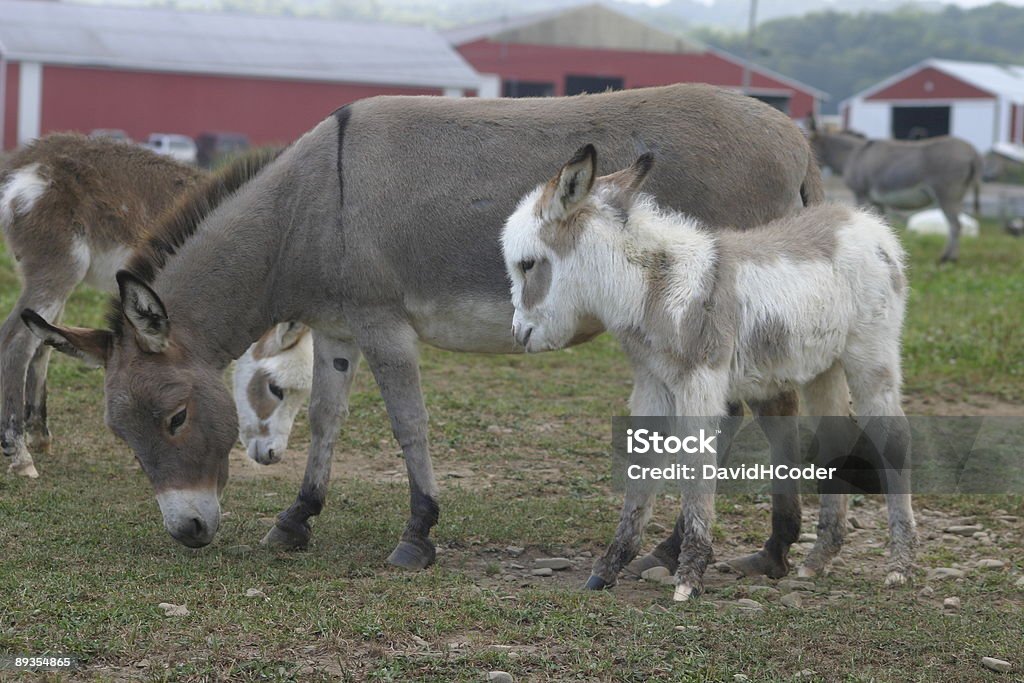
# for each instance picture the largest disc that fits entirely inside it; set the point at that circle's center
(828, 398)
(874, 379)
(950, 207)
(37, 432)
(48, 284)
(334, 367)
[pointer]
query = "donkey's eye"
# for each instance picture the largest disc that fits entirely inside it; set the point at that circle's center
(276, 391)
(527, 265)
(177, 421)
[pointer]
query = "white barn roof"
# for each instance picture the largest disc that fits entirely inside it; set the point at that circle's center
(230, 44)
(1002, 80)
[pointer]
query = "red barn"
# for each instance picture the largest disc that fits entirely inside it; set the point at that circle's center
(592, 48)
(80, 67)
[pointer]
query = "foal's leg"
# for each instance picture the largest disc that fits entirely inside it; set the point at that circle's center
(666, 554)
(334, 367)
(37, 433)
(48, 285)
(391, 353)
(874, 378)
(650, 398)
(784, 441)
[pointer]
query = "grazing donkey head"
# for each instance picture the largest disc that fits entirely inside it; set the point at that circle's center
(558, 240)
(165, 398)
(271, 382)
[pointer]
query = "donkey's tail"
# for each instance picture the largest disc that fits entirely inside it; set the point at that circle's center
(812, 190)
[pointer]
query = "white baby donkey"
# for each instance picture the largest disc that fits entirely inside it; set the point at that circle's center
(712, 317)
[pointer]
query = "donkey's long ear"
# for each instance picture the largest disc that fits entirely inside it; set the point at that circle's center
(145, 312)
(573, 182)
(629, 180)
(91, 346)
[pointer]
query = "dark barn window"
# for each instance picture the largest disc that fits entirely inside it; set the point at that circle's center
(915, 123)
(514, 88)
(575, 85)
(780, 102)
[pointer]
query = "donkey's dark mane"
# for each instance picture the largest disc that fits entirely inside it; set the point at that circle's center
(179, 223)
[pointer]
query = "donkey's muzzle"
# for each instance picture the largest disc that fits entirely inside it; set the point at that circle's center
(191, 517)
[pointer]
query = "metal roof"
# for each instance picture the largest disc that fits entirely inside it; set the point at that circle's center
(1001, 80)
(230, 44)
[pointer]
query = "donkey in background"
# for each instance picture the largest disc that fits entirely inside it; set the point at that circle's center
(72, 210)
(713, 318)
(905, 175)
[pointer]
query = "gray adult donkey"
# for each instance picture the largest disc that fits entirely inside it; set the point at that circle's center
(905, 174)
(378, 228)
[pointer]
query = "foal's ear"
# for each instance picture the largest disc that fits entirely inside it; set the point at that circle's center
(288, 334)
(145, 312)
(91, 346)
(628, 180)
(573, 182)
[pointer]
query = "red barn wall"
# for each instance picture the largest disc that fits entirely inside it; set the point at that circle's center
(548, 63)
(943, 87)
(10, 106)
(140, 103)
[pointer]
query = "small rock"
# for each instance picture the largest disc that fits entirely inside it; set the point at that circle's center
(499, 676)
(990, 564)
(543, 571)
(237, 550)
(142, 664)
(942, 573)
(766, 591)
(806, 673)
(586, 553)
(255, 593)
(748, 604)
(740, 678)
(792, 600)
(552, 563)
(926, 592)
(951, 603)
(808, 538)
(515, 551)
(980, 536)
(963, 529)
(420, 642)
(493, 429)
(655, 573)
(723, 567)
(790, 585)
(515, 565)
(172, 610)
(655, 528)
(1000, 665)
(856, 523)
(838, 562)
(1020, 582)
(1009, 519)
(267, 521)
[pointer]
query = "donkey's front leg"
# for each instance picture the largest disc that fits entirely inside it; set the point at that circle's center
(334, 367)
(392, 356)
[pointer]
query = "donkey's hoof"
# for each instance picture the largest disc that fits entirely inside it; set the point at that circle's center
(896, 578)
(413, 555)
(684, 592)
(760, 564)
(38, 441)
(806, 572)
(286, 539)
(24, 469)
(649, 561)
(596, 583)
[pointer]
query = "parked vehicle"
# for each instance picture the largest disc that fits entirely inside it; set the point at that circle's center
(115, 134)
(216, 147)
(178, 147)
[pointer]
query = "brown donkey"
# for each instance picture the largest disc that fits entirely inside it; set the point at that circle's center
(72, 210)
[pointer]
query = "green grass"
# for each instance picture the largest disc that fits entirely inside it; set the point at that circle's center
(85, 561)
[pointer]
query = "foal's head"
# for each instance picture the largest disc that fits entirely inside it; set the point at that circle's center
(271, 382)
(559, 243)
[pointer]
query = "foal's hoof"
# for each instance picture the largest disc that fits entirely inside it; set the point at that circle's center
(38, 441)
(760, 564)
(413, 554)
(596, 583)
(24, 469)
(292, 538)
(649, 561)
